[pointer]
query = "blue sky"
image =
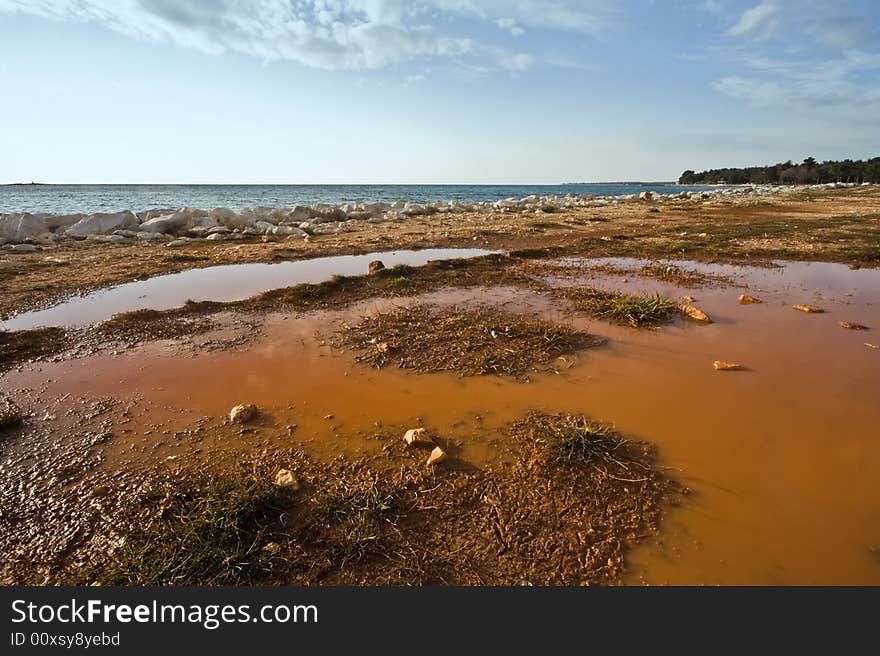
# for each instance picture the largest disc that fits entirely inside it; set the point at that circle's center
(430, 91)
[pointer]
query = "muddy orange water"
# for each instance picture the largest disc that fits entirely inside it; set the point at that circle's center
(230, 282)
(783, 458)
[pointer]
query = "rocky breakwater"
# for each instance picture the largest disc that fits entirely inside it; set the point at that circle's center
(27, 232)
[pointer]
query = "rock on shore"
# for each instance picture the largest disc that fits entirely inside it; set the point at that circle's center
(302, 221)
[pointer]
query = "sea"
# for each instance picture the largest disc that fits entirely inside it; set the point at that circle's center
(87, 199)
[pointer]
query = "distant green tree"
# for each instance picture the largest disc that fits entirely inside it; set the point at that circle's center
(808, 172)
(687, 178)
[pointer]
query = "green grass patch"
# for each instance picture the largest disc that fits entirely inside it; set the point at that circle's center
(637, 311)
(210, 536)
(578, 439)
(357, 515)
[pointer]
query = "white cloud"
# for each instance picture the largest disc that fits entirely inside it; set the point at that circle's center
(836, 25)
(836, 85)
(510, 25)
(757, 92)
(758, 22)
(592, 17)
(805, 55)
(517, 63)
(329, 34)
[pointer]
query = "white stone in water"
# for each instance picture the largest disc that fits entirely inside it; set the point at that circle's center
(102, 224)
(243, 413)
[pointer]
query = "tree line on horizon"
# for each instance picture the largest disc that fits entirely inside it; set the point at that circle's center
(807, 172)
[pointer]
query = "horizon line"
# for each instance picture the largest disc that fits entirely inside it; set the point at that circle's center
(334, 184)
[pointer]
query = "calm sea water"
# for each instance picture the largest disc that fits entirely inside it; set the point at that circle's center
(62, 199)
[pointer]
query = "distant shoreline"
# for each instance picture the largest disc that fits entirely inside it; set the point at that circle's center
(667, 183)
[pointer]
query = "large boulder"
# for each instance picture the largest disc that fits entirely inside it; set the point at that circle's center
(19, 227)
(167, 223)
(231, 220)
(179, 221)
(327, 213)
(151, 236)
(102, 224)
(55, 222)
(299, 214)
(288, 230)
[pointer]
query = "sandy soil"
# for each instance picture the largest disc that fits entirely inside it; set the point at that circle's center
(837, 226)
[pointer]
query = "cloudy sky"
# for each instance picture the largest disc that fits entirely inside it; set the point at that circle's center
(443, 91)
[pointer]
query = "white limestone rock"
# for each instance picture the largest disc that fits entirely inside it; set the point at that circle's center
(102, 224)
(289, 231)
(24, 248)
(19, 227)
(150, 236)
(55, 222)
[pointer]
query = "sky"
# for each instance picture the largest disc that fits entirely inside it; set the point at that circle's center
(430, 91)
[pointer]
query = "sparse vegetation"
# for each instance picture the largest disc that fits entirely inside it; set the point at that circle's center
(357, 515)
(577, 439)
(681, 276)
(352, 524)
(637, 311)
(471, 342)
(186, 257)
(22, 345)
(152, 324)
(10, 414)
(214, 535)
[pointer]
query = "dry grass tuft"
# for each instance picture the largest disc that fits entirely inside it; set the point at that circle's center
(471, 342)
(146, 325)
(642, 311)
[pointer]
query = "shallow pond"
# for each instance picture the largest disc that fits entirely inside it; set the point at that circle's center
(231, 282)
(783, 457)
